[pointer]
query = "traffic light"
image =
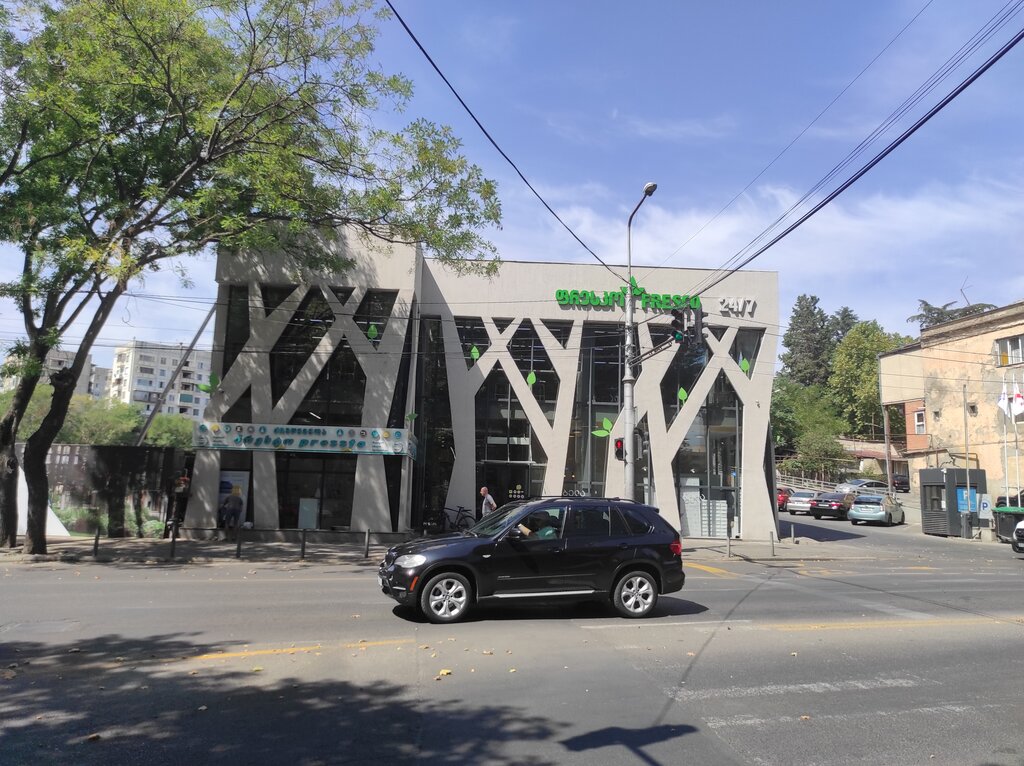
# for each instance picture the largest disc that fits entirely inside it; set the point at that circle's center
(620, 448)
(697, 328)
(678, 325)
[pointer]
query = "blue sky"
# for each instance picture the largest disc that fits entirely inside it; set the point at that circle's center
(594, 99)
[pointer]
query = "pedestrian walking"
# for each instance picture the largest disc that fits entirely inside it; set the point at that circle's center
(230, 513)
(488, 503)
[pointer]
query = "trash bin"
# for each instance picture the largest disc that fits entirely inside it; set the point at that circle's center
(1006, 519)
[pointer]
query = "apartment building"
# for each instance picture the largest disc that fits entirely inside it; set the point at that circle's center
(57, 360)
(142, 370)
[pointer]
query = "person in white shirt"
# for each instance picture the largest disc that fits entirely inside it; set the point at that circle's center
(488, 503)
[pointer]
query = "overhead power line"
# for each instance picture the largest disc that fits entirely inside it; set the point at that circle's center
(495, 143)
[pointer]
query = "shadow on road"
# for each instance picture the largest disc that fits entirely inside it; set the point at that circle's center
(581, 610)
(115, 699)
(839, 530)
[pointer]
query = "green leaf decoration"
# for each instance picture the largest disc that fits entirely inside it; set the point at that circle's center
(599, 432)
(474, 353)
(607, 424)
(372, 332)
(632, 282)
(204, 387)
(531, 378)
(214, 380)
(411, 416)
(683, 396)
(744, 365)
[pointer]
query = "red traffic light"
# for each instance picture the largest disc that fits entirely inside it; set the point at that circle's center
(620, 448)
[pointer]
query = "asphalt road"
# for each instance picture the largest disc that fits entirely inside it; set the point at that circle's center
(900, 649)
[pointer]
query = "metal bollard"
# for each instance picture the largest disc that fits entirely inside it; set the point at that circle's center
(728, 546)
(366, 545)
(174, 535)
(792, 533)
(96, 543)
(238, 541)
(302, 544)
(771, 536)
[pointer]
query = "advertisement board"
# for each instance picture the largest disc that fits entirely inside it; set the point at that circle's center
(358, 440)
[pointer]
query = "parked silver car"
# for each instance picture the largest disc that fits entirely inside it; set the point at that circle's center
(880, 508)
(800, 501)
(862, 485)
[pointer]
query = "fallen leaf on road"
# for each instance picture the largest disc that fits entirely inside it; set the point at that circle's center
(362, 641)
(805, 718)
(445, 672)
(425, 646)
(691, 654)
(257, 669)
(74, 650)
(434, 654)
(202, 708)
(193, 672)
(8, 675)
(355, 617)
(120, 659)
(92, 738)
(792, 654)
(511, 670)
(487, 652)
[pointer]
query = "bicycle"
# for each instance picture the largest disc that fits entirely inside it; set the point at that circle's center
(448, 519)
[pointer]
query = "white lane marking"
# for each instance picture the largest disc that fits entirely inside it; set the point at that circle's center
(815, 687)
(748, 720)
(705, 623)
(908, 614)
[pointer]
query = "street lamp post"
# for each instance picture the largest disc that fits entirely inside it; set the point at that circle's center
(629, 419)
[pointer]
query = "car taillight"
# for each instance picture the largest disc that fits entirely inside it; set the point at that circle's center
(834, 505)
(676, 546)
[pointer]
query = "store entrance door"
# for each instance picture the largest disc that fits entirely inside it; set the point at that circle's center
(507, 481)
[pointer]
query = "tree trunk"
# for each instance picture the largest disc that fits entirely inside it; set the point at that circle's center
(8, 497)
(39, 443)
(9, 459)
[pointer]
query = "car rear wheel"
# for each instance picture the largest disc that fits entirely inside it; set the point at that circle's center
(635, 594)
(792, 513)
(817, 516)
(888, 521)
(446, 598)
(854, 522)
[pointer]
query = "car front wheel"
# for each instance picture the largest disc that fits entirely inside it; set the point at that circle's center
(446, 598)
(635, 594)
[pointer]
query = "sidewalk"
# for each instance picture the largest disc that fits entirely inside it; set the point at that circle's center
(158, 551)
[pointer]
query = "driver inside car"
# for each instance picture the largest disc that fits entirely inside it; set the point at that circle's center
(540, 526)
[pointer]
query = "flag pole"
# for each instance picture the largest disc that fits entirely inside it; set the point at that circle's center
(1016, 442)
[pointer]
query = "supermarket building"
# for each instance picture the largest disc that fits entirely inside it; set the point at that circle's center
(356, 401)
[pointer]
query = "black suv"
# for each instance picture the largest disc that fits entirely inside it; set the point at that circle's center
(552, 549)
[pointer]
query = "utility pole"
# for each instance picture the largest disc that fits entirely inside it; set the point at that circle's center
(628, 381)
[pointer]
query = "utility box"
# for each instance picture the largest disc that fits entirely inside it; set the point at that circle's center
(944, 500)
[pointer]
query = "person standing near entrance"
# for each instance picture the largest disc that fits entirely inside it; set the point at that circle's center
(488, 503)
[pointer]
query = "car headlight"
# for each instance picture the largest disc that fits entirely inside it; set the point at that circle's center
(410, 561)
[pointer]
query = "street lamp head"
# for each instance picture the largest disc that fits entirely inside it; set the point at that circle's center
(649, 189)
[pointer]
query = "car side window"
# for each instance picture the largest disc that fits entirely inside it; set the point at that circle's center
(544, 523)
(619, 527)
(635, 521)
(589, 521)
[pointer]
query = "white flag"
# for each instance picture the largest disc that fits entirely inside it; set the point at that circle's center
(1017, 405)
(1004, 402)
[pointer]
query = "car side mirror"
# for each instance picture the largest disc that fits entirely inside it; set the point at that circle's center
(514, 534)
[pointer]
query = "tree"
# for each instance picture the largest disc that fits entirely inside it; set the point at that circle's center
(854, 379)
(840, 323)
(928, 315)
(99, 421)
(170, 431)
(798, 410)
(808, 342)
(137, 133)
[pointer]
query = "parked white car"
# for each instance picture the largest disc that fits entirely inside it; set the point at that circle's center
(800, 501)
(862, 485)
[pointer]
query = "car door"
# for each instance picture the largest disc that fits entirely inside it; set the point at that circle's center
(531, 564)
(596, 541)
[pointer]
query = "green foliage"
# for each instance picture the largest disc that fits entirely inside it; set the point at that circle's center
(798, 410)
(928, 315)
(818, 454)
(38, 406)
(100, 421)
(170, 431)
(854, 379)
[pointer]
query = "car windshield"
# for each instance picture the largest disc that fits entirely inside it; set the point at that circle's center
(494, 522)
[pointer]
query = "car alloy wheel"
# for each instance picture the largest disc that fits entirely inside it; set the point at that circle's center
(446, 598)
(636, 593)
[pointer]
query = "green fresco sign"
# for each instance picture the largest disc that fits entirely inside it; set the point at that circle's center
(612, 298)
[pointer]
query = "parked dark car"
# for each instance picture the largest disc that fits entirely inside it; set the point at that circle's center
(782, 495)
(550, 549)
(831, 504)
(900, 482)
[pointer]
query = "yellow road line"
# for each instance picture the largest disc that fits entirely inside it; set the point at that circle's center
(297, 649)
(710, 569)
